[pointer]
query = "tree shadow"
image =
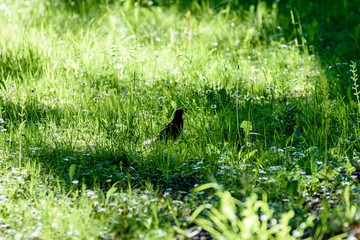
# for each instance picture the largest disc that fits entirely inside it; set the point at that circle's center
(331, 31)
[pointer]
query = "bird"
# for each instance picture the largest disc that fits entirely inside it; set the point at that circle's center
(172, 130)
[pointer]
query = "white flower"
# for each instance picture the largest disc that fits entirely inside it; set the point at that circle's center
(213, 106)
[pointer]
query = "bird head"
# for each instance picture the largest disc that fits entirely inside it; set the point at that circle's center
(179, 112)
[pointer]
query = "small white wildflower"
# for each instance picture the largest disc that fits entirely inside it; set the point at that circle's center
(157, 39)
(83, 83)
(248, 144)
(215, 44)
(119, 66)
(213, 106)
(101, 210)
(296, 233)
(75, 181)
(264, 217)
(208, 91)
(34, 212)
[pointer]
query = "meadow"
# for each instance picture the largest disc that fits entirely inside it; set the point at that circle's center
(270, 146)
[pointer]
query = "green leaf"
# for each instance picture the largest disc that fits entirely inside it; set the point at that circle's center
(327, 174)
(247, 126)
(206, 186)
(71, 172)
(250, 154)
(173, 104)
(110, 192)
(228, 205)
(291, 188)
(349, 168)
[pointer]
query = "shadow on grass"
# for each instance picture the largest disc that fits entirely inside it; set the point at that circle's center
(104, 156)
(331, 30)
(110, 165)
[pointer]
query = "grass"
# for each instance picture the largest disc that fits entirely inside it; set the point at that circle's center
(270, 142)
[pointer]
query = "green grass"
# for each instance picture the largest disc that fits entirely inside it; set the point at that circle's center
(270, 141)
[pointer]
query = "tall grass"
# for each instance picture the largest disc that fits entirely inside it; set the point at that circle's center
(84, 83)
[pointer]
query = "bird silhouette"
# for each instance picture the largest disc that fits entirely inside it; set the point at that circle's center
(172, 130)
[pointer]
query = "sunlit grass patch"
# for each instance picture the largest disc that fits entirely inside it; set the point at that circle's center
(84, 83)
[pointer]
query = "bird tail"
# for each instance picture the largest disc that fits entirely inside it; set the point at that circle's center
(147, 142)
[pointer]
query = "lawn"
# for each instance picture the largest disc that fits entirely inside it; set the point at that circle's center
(270, 145)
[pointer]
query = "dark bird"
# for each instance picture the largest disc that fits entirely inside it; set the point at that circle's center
(172, 130)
